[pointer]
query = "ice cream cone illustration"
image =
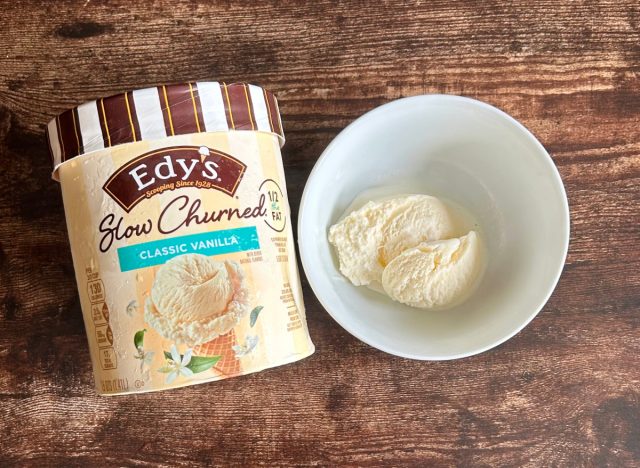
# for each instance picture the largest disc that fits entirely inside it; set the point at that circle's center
(228, 365)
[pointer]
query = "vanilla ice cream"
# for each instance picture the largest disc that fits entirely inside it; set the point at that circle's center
(411, 247)
(434, 274)
(415, 219)
(359, 253)
(194, 299)
(368, 238)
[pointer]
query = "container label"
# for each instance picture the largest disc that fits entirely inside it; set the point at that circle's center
(172, 168)
(153, 253)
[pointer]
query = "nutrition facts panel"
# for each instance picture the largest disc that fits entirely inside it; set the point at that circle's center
(103, 334)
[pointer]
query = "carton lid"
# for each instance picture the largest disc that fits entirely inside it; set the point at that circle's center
(160, 112)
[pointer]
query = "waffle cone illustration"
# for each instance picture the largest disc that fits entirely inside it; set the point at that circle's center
(228, 364)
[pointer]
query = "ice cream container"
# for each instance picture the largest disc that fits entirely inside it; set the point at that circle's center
(180, 231)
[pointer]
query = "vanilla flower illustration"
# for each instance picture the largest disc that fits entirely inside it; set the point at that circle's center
(146, 358)
(177, 366)
(249, 345)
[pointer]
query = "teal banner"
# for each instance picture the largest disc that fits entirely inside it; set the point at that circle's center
(134, 257)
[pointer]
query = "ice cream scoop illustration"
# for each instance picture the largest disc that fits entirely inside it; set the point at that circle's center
(204, 152)
(195, 299)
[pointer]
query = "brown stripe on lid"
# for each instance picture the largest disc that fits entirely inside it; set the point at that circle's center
(68, 134)
(133, 117)
(76, 127)
(166, 110)
(120, 127)
(227, 106)
(48, 137)
(252, 114)
(182, 109)
(62, 152)
(103, 123)
(266, 101)
(272, 108)
(242, 118)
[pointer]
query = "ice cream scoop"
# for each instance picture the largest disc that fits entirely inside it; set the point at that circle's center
(416, 219)
(435, 273)
(370, 237)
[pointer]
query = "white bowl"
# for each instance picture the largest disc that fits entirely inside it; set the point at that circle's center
(464, 151)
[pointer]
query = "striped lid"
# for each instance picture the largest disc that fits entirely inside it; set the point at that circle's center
(154, 113)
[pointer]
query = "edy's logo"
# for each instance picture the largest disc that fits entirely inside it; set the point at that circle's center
(172, 168)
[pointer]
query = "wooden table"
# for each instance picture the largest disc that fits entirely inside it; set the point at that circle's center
(563, 392)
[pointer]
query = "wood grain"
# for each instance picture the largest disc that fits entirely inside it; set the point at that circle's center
(563, 392)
